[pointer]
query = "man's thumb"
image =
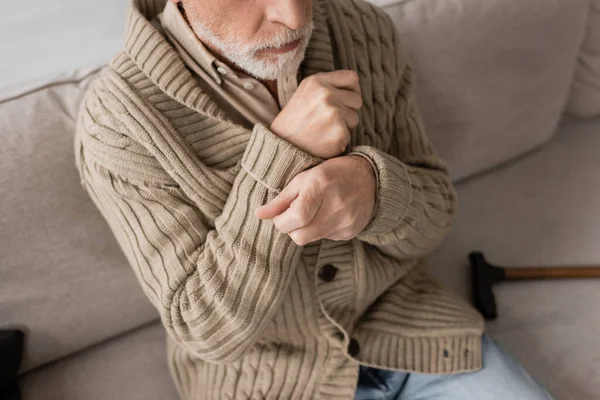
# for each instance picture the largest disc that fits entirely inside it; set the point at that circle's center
(278, 205)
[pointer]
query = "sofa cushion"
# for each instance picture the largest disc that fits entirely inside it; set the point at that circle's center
(541, 210)
(63, 278)
(132, 367)
(584, 100)
(492, 76)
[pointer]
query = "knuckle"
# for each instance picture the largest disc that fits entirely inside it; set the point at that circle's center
(301, 216)
(277, 224)
(329, 119)
(347, 235)
(342, 144)
(310, 84)
(311, 80)
(346, 142)
(338, 130)
(334, 113)
(340, 204)
(341, 134)
(336, 143)
(359, 101)
(354, 120)
(343, 235)
(352, 75)
(298, 238)
(321, 177)
(323, 94)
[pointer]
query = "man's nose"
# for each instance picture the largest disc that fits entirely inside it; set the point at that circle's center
(291, 13)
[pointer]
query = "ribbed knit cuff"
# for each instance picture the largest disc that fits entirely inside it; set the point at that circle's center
(273, 161)
(374, 168)
(394, 190)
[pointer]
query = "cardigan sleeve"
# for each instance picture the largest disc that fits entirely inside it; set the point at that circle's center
(215, 287)
(415, 199)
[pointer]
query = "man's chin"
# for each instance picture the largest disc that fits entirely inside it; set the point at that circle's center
(271, 57)
(273, 67)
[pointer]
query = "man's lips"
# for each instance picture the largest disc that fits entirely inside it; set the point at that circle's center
(284, 49)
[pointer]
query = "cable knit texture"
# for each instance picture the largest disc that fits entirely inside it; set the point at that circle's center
(248, 314)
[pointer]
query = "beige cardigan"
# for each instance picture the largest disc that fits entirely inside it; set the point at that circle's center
(249, 314)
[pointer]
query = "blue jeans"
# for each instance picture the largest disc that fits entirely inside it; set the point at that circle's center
(501, 378)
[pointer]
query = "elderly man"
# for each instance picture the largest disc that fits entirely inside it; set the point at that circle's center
(264, 168)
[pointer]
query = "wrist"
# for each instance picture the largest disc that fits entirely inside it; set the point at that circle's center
(370, 165)
(274, 128)
(370, 168)
(365, 162)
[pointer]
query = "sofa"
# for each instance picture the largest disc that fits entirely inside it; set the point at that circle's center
(510, 95)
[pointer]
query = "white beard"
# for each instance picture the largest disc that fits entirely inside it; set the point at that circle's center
(244, 55)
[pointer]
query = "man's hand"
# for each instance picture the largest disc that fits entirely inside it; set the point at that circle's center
(320, 114)
(333, 200)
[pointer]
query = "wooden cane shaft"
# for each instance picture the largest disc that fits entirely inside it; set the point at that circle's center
(552, 272)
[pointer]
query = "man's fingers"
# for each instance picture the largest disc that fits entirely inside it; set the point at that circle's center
(350, 117)
(319, 228)
(279, 204)
(342, 79)
(348, 99)
(300, 213)
(304, 236)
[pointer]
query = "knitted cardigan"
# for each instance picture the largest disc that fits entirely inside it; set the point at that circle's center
(248, 313)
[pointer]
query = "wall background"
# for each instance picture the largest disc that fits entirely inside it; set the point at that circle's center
(39, 39)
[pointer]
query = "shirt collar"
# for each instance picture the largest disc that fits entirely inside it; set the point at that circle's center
(174, 22)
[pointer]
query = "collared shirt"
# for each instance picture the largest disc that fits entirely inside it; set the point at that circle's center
(245, 99)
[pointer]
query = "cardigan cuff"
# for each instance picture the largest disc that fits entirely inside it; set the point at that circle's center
(272, 160)
(394, 190)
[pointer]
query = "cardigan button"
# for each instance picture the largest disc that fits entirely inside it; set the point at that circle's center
(327, 272)
(353, 348)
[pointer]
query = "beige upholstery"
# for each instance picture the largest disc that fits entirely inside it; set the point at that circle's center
(492, 76)
(584, 100)
(62, 276)
(131, 367)
(543, 209)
